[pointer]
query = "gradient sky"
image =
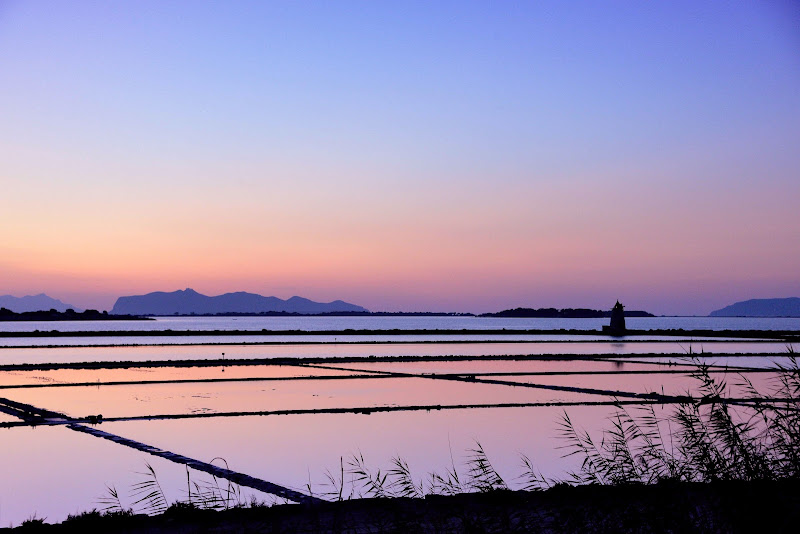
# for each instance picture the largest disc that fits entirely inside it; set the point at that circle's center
(455, 156)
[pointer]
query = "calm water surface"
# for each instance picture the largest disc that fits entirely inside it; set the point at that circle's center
(53, 471)
(260, 326)
(334, 350)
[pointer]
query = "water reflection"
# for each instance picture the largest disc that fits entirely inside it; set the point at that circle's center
(113, 341)
(296, 449)
(51, 472)
(333, 350)
(54, 471)
(478, 366)
(163, 399)
(152, 374)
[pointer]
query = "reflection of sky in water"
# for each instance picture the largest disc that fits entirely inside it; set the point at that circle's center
(55, 471)
(4, 418)
(244, 339)
(493, 366)
(667, 384)
(289, 449)
(205, 352)
(158, 399)
(755, 362)
(160, 373)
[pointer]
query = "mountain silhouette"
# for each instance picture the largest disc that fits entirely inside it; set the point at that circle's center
(189, 302)
(788, 307)
(29, 303)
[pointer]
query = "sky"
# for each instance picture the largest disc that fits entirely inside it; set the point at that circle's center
(415, 156)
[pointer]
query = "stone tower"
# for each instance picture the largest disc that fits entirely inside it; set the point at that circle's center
(617, 326)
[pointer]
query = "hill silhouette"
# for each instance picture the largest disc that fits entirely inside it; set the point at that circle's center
(788, 307)
(32, 303)
(190, 302)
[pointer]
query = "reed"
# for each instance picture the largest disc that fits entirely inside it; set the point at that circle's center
(209, 495)
(355, 479)
(708, 439)
(148, 497)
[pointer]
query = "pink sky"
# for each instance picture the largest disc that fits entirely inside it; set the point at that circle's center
(460, 158)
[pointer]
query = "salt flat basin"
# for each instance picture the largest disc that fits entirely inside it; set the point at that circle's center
(720, 361)
(149, 374)
(5, 418)
(50, 472)
(259, 338)
(333, 350)
(161, 399)
(631, 377)
(565, 364)
(55, 471)
(672, 384)
(43, 378)
(294, 450)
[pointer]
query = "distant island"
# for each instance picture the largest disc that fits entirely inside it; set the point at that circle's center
(68, 315)
(787, 307)
(566, 313)
(190, 302)
(32, 303)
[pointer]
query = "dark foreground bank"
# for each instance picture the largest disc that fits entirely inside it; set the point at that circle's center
(665, 507)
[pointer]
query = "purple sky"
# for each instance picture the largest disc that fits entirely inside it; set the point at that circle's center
(457, 156)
